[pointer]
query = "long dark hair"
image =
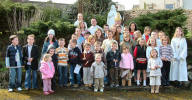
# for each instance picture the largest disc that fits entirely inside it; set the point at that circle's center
(130, 26)
(47, 39)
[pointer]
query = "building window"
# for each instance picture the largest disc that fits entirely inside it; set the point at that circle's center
(169, 6)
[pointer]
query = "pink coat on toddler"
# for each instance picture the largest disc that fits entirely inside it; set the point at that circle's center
(126, 61)
(46, 71)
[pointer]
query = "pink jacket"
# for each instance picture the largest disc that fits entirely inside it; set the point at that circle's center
(45, 70)
(126, 61)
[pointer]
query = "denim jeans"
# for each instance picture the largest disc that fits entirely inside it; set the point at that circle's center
(15, 76)
(72, 75)
(28, 78)
(63, 75)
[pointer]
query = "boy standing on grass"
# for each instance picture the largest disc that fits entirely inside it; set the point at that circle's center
(14, 63)
(62, 53)
(30, 59)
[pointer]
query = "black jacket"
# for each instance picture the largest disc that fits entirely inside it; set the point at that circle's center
(111, 56)
(34, 55)
(10, 54)
(74, 56)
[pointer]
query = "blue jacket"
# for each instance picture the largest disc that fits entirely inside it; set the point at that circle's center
(46, 45)
(10, 56)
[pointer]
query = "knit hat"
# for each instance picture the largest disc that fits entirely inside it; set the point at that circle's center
(51, 31)
(50, 47)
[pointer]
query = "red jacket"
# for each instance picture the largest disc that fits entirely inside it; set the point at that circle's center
(89, 59)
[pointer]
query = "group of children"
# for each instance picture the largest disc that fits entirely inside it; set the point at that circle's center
(113, 55)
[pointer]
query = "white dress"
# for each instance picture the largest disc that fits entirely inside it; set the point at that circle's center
(178, 69)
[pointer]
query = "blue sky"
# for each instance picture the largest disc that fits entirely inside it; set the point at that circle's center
(127, 3)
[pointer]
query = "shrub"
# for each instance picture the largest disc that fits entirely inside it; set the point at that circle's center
(166, 20)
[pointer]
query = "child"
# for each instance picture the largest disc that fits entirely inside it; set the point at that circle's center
(113, 59)
(178, 70)
(30, 58)
(98, 71)
(137, 35)
(106, 46)
(161, 34)
(141, 60)
(62, 53)
(154, 34)
(86, 36)
(126, 29)
(74, 60)
(132, 29)
(155, 65)
(127, 42)
(106, 29)
(47, 71)
(99, 35)
(118, 36)
(152, 44)
(126, 66)
(87, 58)
(92, 40)
(166, 54)
(99, 50)
(14, 63)
(146, 34)
(51, 51)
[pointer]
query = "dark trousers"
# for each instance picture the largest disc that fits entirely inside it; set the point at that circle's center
(114, 76)
(165, 72)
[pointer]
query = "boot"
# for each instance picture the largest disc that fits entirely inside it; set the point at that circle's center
(129, 82)
(157, 89)
(152, 89)
(123, 82)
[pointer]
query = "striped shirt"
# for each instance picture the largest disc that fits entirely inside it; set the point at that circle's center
(166, 51)
(62, 56)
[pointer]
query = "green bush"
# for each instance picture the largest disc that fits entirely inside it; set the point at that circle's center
(101, 19)
(40, 28)
(166, 20)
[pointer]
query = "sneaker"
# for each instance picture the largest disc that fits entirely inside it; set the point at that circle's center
(138, 83)
(144, 83)
(19, 89)
(112, 85)
(101, 90)
(117, 85)
(51, 91)
(10, 90)
(46, 93)
(95, 90)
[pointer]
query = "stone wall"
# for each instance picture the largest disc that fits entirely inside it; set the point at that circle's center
(130, 14)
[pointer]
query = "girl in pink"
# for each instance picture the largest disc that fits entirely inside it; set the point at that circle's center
(47, 70)
(126, 66)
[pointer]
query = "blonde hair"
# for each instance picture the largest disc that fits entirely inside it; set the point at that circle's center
(151, 53)
(165, 38)
(138, 32)
(87, 44)
(97, 55)
(31, 35)
(149, 41)
(146, 29)
(46, 57)
(90, 38)
(178, 28)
